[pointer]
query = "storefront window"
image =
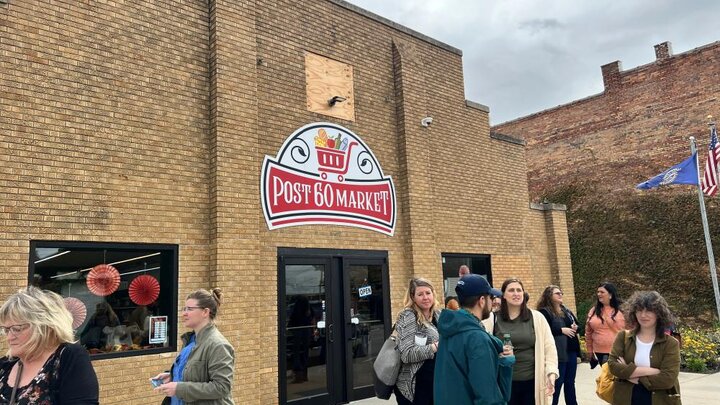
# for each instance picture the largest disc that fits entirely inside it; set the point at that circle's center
(451, 262)
(123, 297)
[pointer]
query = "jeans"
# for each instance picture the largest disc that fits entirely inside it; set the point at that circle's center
(568, 371)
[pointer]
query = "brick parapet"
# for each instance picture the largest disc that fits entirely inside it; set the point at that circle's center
(633, 132)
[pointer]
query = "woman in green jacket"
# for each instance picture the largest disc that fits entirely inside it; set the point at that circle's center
(203, 371)
(644, 360)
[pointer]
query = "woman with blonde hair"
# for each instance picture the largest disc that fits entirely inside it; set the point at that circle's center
(43, 365)
(203, 371)
(418, 342)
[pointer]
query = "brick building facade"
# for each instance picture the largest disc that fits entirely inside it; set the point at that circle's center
(638, 126)
(149, 122)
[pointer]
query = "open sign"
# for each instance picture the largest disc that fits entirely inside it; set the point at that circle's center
(364, 291)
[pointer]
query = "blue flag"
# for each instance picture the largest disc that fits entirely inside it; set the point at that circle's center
(684, 172)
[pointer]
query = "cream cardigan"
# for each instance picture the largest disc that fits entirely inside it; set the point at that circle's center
(546, 361)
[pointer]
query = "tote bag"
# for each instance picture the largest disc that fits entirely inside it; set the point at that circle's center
(386, 368)
(605, 384)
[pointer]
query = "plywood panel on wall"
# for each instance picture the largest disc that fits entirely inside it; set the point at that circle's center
(324, 79)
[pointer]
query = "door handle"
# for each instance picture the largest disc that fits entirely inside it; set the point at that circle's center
(330, 334)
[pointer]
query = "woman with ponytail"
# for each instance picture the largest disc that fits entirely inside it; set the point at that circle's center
(203, 371)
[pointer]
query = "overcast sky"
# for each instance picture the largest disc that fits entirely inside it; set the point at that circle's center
(523, 56)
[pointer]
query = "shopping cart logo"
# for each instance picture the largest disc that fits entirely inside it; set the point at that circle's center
(325, 174)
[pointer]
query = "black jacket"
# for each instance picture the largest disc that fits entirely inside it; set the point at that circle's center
(563, 344)
(76, 384)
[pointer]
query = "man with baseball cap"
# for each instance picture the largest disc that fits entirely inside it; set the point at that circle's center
(468, 365)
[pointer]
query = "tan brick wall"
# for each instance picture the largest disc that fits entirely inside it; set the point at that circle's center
(550, 252)
(149, 123)
(104, 137)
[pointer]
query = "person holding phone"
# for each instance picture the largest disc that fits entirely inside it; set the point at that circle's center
(203, 371)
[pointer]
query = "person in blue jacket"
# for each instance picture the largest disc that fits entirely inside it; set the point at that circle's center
(471, 365)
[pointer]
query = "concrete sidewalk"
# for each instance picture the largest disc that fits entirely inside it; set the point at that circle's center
(695, 388)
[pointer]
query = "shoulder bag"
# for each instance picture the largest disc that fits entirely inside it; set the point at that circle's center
(386, 367)
(605, 384)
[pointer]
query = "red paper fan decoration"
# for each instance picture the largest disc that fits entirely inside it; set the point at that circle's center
(144, 290)
(77, 309)
(103, 280)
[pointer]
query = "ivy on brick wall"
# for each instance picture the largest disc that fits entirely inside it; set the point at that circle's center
(651, 240)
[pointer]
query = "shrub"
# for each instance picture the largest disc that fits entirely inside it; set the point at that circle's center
(700, 348)
(696, 365)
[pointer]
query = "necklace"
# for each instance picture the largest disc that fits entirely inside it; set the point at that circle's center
(17, 382)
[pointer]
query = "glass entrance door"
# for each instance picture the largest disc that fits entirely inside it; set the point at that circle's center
(334, 307)
(367, 306)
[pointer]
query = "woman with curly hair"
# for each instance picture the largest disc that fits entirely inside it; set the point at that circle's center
(563, 324)
(644, 360)
(604, 321)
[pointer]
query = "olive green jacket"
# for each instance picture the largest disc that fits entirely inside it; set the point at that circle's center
(664, 355)
(208, 374)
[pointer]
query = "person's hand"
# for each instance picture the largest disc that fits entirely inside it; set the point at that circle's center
(167, 389)
(507, 351)
(635, 380)
(622, 361)
(550, 385)
(435, 347)
(569, 332)
(165, 377)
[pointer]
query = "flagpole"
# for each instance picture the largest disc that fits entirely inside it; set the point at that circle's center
(706, 229)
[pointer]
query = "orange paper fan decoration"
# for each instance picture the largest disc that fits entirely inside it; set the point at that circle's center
(103, 280)
(144, 290)
(77, 309)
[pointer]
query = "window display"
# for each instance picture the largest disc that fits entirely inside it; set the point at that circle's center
(123, 297)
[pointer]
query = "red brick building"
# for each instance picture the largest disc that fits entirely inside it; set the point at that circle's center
(632, 130)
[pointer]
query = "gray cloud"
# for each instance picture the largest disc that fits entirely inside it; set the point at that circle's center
(537, 26)
(523, 56)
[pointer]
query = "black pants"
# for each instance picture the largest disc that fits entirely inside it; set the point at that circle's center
(640, 395)
(523, 393)
(421, 397)
(602, 358)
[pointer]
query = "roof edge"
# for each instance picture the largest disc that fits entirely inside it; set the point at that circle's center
(394, 25)
(477, 106)
(507, 138)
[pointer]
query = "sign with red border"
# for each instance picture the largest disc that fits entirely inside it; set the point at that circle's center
(325, 174)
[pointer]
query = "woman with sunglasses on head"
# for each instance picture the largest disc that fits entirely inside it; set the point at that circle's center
(417, 342)
(645, 360)
(203, 371)
(536, 359)
(604, 321)
(563, 324)
(43, 365)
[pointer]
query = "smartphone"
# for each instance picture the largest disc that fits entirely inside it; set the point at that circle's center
(156, 382)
